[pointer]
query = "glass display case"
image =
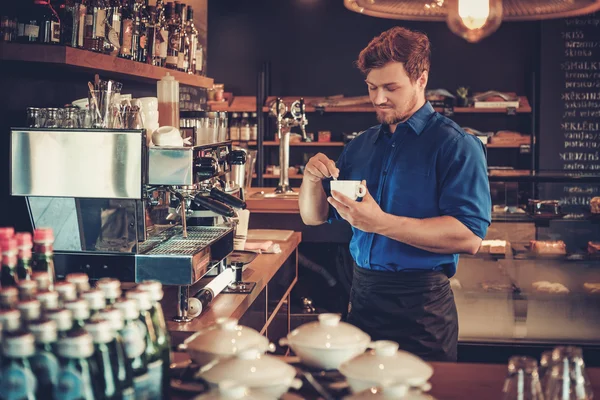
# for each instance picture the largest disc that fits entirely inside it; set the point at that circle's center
(536, 278)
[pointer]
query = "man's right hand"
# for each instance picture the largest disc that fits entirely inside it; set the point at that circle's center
(320, 167)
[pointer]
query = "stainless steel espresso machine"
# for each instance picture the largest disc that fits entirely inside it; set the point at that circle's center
(121, 209)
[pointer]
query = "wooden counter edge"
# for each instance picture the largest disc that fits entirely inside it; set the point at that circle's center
(261, 205)
(261, 271)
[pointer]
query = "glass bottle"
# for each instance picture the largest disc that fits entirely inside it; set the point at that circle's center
(79, 311)
(9, 297)
(83, 5)
(105, 357)
(154, 353)
(6, 232)
(28, 28)
(10, 320)
(135, 346)
(31, 310)
(8, 273)
(27, 290)
(174, 37)
(95, 25)
(125, 371)
(95, 300)
(42, 279)
(163, 342)
(63, 319)
(234, 127)
(24, 247)
(112, 44)
(245, 127)
(127, 28)
(80, 280)
(8, 23)
(69, 18)
(111, 289)
(52, 118)
(44, 362)
(143, 21)
(151, 35)
(43, 253)
(48, 299)
(49, 22)
(523, 381)
(162, 38)
(78, 375)
(254, 127)
(568, 379)
(192, 33)
(66, 291)
(33, 117)
(18, 380)
(183, 57)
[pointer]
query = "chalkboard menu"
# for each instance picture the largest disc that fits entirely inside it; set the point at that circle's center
(192, 98)
(570, 94)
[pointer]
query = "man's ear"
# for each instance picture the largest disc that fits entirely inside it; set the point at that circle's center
(422, 81)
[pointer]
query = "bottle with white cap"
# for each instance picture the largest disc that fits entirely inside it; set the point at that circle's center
(8, 272)
(105, 356)
(44, 363)
(111, 288)
(48, 299)
(153, 353)
(43, 252)
(95, 300)
(80, 311)
(9, 297)
(27, 289)
(135, 346)
(10, 320)
(18, 379)
(163, 342)
(125, 371)
(31, 310)
(66, 291)
(80, 280)
(43, 280)
(63, 319)
(78, 375)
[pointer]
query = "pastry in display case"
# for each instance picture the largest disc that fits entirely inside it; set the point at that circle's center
(536, 277)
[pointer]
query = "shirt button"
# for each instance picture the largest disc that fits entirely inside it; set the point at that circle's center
(393, 144)
(365, 262)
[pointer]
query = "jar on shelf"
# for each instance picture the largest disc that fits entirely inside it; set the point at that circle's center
(245, 127)
(254, 127)
(219, 91)
(234, 127)
(33, 117)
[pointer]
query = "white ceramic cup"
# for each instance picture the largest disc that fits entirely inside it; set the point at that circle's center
(351, 189)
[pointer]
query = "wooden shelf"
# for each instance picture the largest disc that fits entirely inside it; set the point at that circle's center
(238, 104)
(506, 145)
(299, 144)
(272, 176)
(96, 63)
(525, 107)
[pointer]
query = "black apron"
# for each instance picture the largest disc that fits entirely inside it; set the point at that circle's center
(415, 309)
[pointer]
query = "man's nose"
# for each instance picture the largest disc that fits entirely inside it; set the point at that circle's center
(380, 98)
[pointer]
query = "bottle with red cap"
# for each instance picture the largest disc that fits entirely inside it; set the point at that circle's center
(8, 274)
(6, 232)
(43, 252)
(24, 244)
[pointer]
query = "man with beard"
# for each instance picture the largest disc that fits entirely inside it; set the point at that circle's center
(428, 200)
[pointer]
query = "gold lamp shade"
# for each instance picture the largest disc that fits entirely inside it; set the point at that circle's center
(437, 10)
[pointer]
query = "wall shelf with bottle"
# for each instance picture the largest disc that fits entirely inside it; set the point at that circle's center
(297, 144)
(95, 62)
(233, 103)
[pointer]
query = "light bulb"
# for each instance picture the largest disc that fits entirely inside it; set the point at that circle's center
(474, 19)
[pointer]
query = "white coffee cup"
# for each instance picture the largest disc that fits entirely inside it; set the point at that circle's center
(351, 189)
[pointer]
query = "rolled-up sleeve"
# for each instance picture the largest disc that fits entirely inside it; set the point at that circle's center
(340, 163)
(463, 184)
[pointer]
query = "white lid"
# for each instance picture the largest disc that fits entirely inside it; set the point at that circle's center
(114, 316)
(385, 363)
(9, 295)
(95, 299)
(10, 320)
(77, 345)
(128, 308)
(45, 331)
(141, 297)
(226, 337)
(48, 299)
(111, 288)
(230, 390)
(27, 286)
(327, 333)
(154, 288)
(30, 310)
(101, 331)
(18, 345)
(42, 279)
(63, 318)
(79, 308)
(66, 290)
(80, 280)
(391, 391)
(251, 368)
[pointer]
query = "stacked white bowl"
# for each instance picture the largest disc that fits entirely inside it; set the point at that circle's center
(149, 107)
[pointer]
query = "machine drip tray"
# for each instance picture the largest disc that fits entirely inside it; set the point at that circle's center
(273, 195)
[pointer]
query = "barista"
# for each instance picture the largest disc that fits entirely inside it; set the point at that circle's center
(427, 201)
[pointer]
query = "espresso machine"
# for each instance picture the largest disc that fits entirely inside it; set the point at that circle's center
(121, 209)
(297, 110)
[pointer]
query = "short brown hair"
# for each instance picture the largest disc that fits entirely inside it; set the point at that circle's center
(398, 44)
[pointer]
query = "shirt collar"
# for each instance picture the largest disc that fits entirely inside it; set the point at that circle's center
(417, 122)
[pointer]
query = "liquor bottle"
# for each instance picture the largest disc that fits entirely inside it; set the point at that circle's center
(95, 26)
(10, 320)
(68, 13)
(144, 20)
(66, 291)
(9, 296)
(112, 44)
(174, 37)
(44, 362)
(80, 313)
(125, 371)
(80, 280)
(63, 319)
(48, 299)
(183, 57)
(8, 273)
(28, 28)
(27, 290)
(135, 346)
(18, 379)
(192, 33)
(154, 356)
(83, 4)
(78, 375)
(95, 300)
(24, 245)
(105, 356)
(43, 253)
(7, 232)
(49, 22)
(162, 37)
(151, 35)
(163, 342)
(8, 23)
(31, 310)
(111, 289)
(127, 28)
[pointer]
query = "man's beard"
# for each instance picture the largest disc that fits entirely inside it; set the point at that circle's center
(398, 116)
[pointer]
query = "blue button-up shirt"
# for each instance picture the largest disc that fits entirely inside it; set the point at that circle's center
(427, 168)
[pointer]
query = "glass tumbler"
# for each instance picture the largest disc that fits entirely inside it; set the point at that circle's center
(52, 118)
(33, 117)
(522, 381)
(568, 379)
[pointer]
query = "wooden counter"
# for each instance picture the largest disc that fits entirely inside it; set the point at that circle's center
(277, 205)
(262, 270)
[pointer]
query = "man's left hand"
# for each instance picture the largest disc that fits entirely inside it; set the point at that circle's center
(365, 215)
